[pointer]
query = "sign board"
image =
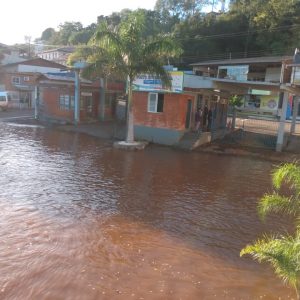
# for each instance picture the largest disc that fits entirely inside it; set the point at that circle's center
(259, 92)
(296, 75)
(150, 83)
(236, 72)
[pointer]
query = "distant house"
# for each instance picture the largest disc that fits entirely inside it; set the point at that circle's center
(57, 98)
(19, 78)
(11, 56)
(58, 55)
(56, 94)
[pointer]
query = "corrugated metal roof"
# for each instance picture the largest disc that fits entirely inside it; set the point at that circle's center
(237, 61)
(65, 76)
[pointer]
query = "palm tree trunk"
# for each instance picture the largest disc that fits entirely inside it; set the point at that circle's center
(297, 292)
(129, 117)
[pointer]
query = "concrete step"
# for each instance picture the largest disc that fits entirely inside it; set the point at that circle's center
(192, 140)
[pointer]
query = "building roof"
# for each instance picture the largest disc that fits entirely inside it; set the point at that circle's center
(239, 61)
(69, 49)
(38, 62)
(63, 76)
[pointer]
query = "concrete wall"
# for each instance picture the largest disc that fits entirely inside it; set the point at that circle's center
(161, 136)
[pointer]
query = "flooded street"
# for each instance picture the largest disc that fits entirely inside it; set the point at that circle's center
(81, 220)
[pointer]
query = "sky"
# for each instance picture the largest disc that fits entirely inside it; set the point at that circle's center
(20, 18)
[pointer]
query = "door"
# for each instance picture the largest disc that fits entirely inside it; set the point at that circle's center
(188, 114)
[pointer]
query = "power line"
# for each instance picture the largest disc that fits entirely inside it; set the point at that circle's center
(243, 33)
(198, 37)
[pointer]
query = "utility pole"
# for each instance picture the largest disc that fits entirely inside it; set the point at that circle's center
(27, 41)
(77, 67)
(223, 6)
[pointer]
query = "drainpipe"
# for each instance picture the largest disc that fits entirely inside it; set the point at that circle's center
(36, 102)
(295, 112)
(280, 134)
(77, 98)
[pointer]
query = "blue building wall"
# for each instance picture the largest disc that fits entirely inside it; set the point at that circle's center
(157, 135)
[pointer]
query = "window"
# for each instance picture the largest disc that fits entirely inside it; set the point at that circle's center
(155, 102)
(26, 78)
(86, 101)
(16, 80)
(65, 102)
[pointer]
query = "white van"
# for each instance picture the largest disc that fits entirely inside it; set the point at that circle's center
(4, 98)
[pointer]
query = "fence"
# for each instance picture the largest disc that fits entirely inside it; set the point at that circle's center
(257, 131)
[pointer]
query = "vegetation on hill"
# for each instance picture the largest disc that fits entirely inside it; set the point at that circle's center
(246, 28)
(126, 51)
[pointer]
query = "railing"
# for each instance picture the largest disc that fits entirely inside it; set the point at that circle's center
(257, 131)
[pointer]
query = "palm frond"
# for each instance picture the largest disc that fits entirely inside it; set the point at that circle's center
(81, 53)
(289, 173)
(163, 47)
(278, 204)
(282, 253)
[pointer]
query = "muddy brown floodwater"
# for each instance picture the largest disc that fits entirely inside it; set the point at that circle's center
(81, 220)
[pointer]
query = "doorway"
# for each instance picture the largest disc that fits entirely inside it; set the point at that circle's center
(188, 114)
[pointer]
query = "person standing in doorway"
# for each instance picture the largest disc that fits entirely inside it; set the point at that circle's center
(209, 119)
(198, 116)
(204, 119)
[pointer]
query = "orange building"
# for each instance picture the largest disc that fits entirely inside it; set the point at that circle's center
(57, 98)
(167, 116)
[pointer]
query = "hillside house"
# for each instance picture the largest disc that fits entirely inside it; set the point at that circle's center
(19, 79)
(58, 55)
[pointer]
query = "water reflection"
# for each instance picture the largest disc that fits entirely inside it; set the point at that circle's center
(80, 220)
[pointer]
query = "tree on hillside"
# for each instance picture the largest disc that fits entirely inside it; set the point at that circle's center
(47, 34)
(282, 252)
(272, 24)
(83, 36)
(127, 51)
(115, 18)
(181, 8)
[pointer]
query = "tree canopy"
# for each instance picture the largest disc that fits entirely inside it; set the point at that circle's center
(247, 28)
(128, 50)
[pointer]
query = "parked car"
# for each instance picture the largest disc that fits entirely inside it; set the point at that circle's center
(4, 98)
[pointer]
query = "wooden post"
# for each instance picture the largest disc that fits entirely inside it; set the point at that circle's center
(102, 99)
(77, 98)
(280, 134)
(295, 112)
(36, 101)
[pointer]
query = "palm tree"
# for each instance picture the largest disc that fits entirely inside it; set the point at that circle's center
(282, 252)
(127, 51)
(289, 174)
